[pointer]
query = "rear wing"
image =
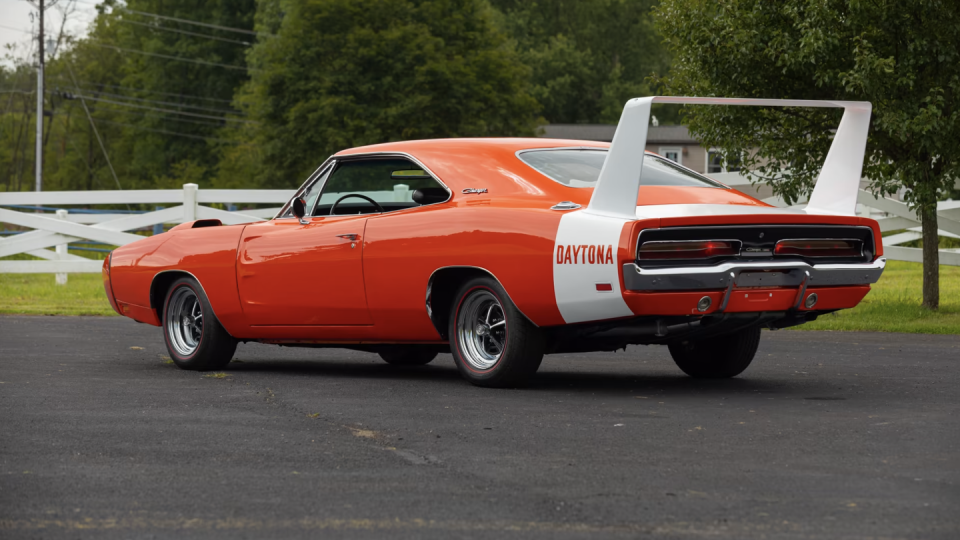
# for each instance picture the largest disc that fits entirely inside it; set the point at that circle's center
(835, 191)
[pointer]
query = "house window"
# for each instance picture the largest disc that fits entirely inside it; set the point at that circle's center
(715, 163)
(673, 153)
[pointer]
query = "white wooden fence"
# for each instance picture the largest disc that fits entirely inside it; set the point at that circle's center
(891, 214)
(58, 229)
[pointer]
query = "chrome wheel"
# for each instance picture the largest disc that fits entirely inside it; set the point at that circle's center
(481, 329)
(184, 321)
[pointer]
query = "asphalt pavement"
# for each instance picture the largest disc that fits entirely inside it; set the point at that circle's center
(826, 435)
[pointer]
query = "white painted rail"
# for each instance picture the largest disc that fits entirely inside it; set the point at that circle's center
(60, 229)
(891, 214)
(56, 230)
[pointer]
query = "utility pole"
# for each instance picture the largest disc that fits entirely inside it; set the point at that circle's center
(39, 165)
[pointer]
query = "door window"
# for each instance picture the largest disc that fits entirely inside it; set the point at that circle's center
(392, 183)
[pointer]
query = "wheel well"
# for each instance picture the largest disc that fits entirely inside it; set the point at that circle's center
(159, 287)
(441, 289)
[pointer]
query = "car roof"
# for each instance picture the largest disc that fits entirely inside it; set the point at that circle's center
(486, 163)
(511, 144)
(492, 164)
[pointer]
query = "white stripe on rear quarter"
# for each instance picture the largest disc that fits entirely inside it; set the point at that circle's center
(575, 282)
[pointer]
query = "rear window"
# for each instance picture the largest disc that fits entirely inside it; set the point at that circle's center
(581, 168)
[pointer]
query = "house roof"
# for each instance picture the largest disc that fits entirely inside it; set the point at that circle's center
(604, 132)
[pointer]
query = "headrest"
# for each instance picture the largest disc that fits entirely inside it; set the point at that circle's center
(430, 195)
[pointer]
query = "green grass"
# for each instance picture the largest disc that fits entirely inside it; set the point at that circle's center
(892, 306)
(38, 294)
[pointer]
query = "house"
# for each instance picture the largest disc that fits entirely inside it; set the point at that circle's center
(671, 142)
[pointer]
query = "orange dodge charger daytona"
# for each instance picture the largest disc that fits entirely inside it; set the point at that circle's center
(503, 250)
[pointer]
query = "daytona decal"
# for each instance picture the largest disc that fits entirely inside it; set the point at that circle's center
(585, 254)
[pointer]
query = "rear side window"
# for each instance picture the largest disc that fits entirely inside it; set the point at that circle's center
(581, 168)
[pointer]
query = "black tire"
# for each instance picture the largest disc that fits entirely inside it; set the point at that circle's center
(408, 355)
(719, 357)
(206, 348)
(521, 343)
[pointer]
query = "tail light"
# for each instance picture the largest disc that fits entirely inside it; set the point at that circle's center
(819, 248)
(688, 249)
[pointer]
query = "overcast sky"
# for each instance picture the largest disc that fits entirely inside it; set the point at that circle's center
(15, 23)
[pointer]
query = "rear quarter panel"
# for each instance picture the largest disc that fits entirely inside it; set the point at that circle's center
(401, 251)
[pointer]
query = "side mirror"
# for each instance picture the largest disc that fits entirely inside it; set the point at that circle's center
(300, 210)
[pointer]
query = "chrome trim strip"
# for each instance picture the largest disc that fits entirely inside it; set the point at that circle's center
(722, 275)
(551, 148)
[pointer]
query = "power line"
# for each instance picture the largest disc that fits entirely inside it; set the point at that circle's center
(136, 113)
(95, 86)
(168, 111)
(197, 23)
(167, 56)
(186, 21)
(157, 55)
(154, 116)
(71, 96)
(95, 131)
(16, 29)
(186, 32)
(172, 103)
(167, 132)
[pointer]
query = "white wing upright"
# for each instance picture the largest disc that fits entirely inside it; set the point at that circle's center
(836, 188)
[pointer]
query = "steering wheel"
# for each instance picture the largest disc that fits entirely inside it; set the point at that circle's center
(348, 195)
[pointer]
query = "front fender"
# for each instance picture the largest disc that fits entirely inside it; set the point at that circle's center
(207, 253)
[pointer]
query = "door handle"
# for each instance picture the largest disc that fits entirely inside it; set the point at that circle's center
(350, 237)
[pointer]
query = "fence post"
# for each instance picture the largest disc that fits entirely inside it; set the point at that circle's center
(158, 227)
(61, 251)
(189, 202)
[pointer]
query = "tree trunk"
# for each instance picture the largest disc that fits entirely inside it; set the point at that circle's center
(931, 256)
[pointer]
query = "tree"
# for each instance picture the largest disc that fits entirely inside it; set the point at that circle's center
(174, 83)
(588, 56)
(343, 73)
(901, 55)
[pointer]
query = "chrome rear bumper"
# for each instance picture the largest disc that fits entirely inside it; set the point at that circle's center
(751, 274)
